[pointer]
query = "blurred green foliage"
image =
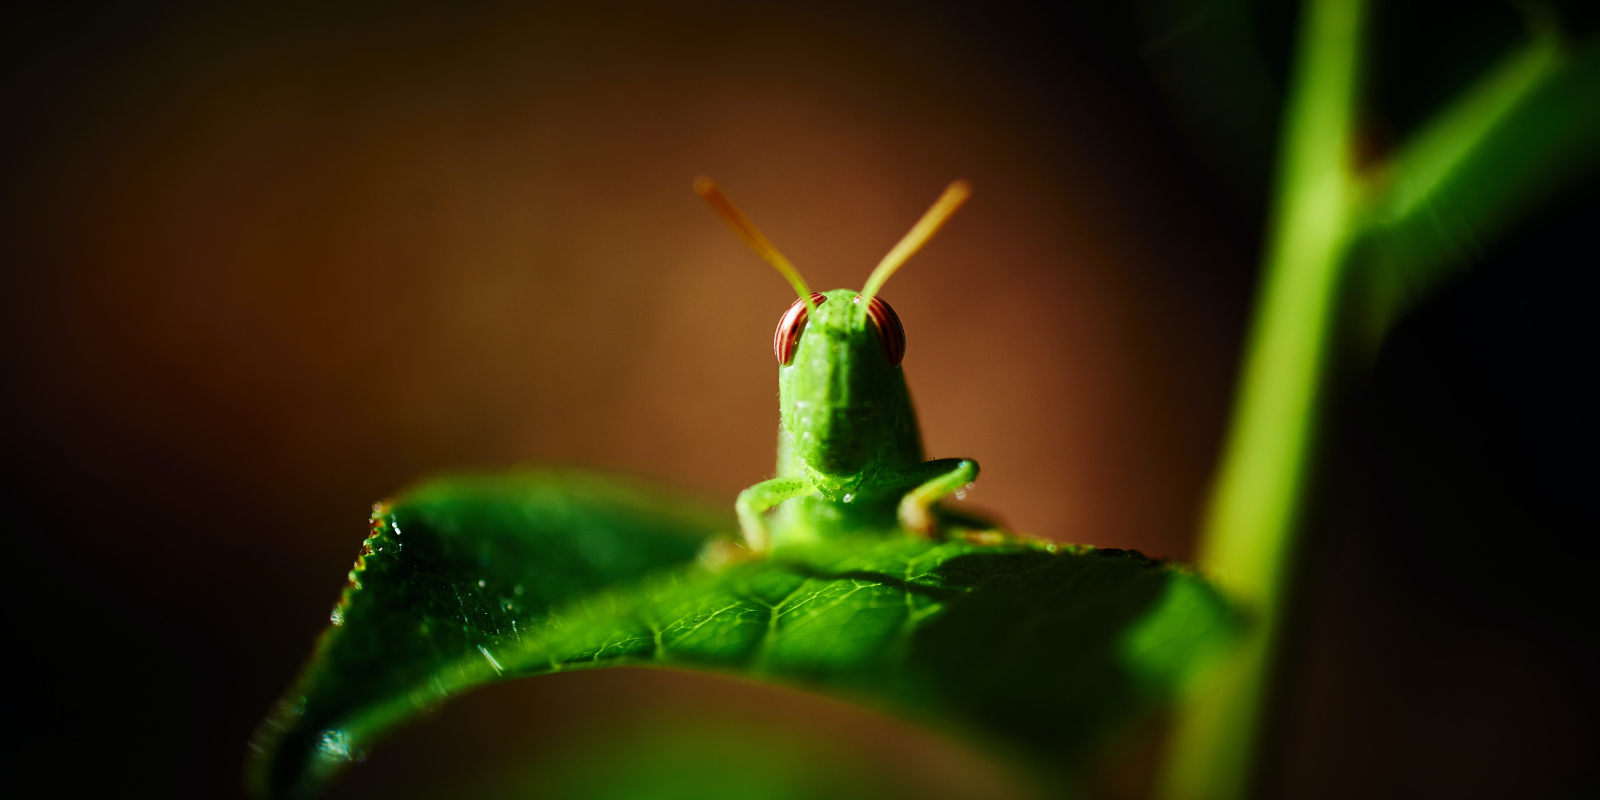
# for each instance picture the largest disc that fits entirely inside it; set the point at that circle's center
(1359, 231)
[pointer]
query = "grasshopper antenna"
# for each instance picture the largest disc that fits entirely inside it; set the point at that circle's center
(747, 230)
(954, 195)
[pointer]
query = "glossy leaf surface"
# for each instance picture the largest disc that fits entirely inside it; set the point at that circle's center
(1043, 649)
(452, 568)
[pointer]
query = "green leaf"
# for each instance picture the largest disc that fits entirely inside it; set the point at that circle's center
(464, 582)
(452, 568)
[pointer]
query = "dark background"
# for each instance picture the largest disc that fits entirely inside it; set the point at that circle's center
(262, 266)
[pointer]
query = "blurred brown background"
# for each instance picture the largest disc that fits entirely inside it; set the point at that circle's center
(264, 266)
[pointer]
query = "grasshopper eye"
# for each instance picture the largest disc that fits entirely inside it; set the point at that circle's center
(891, 334)
(789, 328)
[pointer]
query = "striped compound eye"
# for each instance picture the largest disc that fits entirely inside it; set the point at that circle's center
(790, 325)
(891, 334)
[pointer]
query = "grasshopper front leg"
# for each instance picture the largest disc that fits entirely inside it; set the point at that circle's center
(934, 480)
(757, 500)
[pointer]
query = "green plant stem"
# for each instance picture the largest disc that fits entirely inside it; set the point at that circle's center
(1247, 542)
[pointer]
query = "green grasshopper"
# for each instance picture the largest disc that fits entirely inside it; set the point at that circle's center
(850, 455)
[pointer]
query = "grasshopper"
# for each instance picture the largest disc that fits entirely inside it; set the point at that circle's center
(850, 455)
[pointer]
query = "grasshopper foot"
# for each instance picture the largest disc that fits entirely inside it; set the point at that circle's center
(949, 476)
(722, 553)
(917, 517)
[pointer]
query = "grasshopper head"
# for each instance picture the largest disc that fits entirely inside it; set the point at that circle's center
(839, 369)
(839, 353)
